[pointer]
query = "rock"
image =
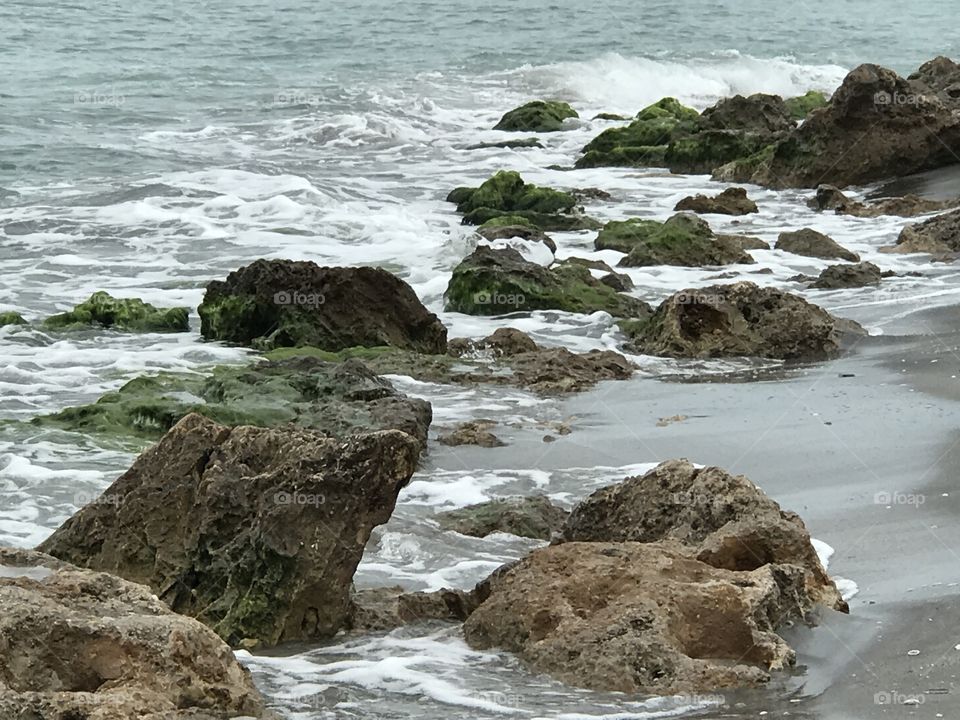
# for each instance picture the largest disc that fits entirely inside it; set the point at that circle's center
(609, 116)
(741, 319)
(505, 342)
(876, 126)
(82, 644)
(337, 398)
(587, 263)
(684, 240)
(506, 194)
(474, 432)
(703, 152)
(537, 116)
(848, 276)
(638, 618)
(497, 281)
(255, 532)
(283, 303)
(940, 77)
(829, 197)
(505, 227)
(801, 106)
(11, 318)
(381, 609)
(131, 314)
(760, 113)
(531, 517)
(618, 281)
(726, 521)
(507, 144)
(811, 243)
(590, 193)
(644, 141)
(732, 201)
(937, 234)
(747, 242)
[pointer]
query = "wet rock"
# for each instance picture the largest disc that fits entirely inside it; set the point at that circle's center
(11, 318)
(474, 432)
(829, 197)
(760, 113)
(82, 644)
(380, 609)
(940, 77)
(505, 227)
(130, 314)
(618, 281)
(810, 243)
(848, 276)
(337, 398)
(507, 144)
(283, 303)
(732, 201)
(498, 281)
(741, 319)
(537, 116)
(531, 517)
(610, 116)
(255, 532)
(746, 242)
(801, 106)
(502, 342)
(937, 234)
(590, 193)
(557, 370)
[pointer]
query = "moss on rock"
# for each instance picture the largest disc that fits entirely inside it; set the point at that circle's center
(130, 314)
(684, 240)
(802, 105)
(11, 318)
(537, 116)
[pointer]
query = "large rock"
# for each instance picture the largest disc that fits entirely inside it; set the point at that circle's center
(684, 240)
(732, 201)
(337, 398)
(537, 116)
(836, 277)
(876, 126)
(763, 114)
(937, 234)
(741, 319)
(498, 281)
(283, 303)
(941, 77)
(532, 517)
(811, 243)
(255, 532)
(130, 314)
(79, 644)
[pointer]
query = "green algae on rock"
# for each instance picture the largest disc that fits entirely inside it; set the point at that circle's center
(802, 105)
(131, 314)
(499, 281)
(283, 303)
(537, 116)
(11, 318)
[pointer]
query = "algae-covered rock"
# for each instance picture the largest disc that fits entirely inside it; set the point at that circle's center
(283, 303)
(338, 398)
(11, 318)
(256, 532)
(704, 151)
(801, 106)
(499, 281)
(537, 116)
(130, 314)
(507, 144)
(668, 107)
(532, 517)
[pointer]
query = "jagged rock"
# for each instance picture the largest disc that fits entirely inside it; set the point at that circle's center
(131, 314)
(941, 77)
(283, 303)
(503, 342)
(83, 644)
(732, 201)
(255, 532)
(741, 319)
(848, 276)
(938, 234)
(498, 281)
(746, 242)
(829, 197)
(810, 243)
(380, 609)
(537, 116)
(532, 517)
(473, 432)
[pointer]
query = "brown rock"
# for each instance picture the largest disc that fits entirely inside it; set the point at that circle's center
(533, 517)
(379, 609)
(474, 432)
(848, 276)
(732, 201)
(829, 197)
(933, 235)
(525, 232)
(811, 243)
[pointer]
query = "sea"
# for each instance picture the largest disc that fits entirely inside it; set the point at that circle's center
(146, 149)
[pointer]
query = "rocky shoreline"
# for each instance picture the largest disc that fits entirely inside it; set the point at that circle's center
(244, 524)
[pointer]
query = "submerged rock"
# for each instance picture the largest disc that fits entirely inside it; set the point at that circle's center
(83, 644)
(505, 144)
(11, 318)
(537, 116)
(337, 398)
(472, 432)
(285, 303)
(499, 281)
(810, 243)
(531, 517)
(848, 276)
(131, 314)
(507, 226)
(732, 201)
(255, 532)
(742, 320)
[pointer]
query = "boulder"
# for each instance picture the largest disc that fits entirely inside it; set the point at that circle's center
(255, 532)
(498, 281)
(531, 517)
(11, 318)
(940, 77)
(829, 197)
(801, 106)
(763, 114)
(537, 116)
(337, 398)
(810, 243)
(473, 432)
(741, 319)
(83, 644)
(937, 234)
(732, 201)
(286, 303)
(848, 276)
(130, 314)
(618, 281)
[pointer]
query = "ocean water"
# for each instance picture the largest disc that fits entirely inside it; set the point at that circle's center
(149, 148)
